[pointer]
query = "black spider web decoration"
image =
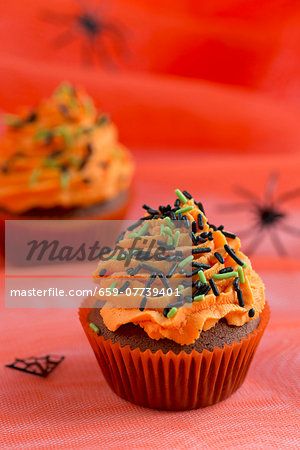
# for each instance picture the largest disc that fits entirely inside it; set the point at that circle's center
(94, 32)
(41, 366)
(268, 214)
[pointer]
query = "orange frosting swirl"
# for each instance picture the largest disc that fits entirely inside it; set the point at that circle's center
(186, 325)
(61, 154)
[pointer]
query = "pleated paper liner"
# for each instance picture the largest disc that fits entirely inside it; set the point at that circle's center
(169, 381)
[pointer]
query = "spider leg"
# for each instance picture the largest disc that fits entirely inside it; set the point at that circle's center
(270, 187)
(279, 247)
(244, 192)
(103, 54)
(64, 38)
(232, 207)
(289, 229)
(288, 195)
(56, 19)
(255, 242)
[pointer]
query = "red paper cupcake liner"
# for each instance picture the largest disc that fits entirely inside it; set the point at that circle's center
(174, 381)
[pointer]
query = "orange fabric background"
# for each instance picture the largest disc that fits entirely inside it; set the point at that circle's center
(208, 99)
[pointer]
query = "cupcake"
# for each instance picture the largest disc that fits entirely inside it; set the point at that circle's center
(179, 311)
(63, 160)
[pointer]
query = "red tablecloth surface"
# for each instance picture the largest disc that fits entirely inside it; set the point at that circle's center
(75, 408)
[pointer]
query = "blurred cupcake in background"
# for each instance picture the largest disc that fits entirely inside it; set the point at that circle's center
(63, 160)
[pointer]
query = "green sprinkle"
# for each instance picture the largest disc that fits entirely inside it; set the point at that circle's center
(12, 120)
(94, 327)
(180, 287)
(112, 286)
(202, 277)
(42, 134)
(133, 235)
(64, 180)
(169, 241)
(88, 105)
(63, 131)
(143, 229)
(245, 265)
(221, 276)
(34, 176)
(162, 230)
(186, 261)
(199, 298)
(181, 197)
(172, 313)
(51, 163)
(170, 223)
(176, 237)
(75, 160)
(241, 275)
(169, 231)
(64, 88)
(184, 210)
(103, 119)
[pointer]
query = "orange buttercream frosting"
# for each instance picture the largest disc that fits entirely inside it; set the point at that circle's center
(236, 294)
(61, 154)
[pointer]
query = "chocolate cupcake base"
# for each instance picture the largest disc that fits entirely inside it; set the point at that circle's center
(136, 337)
(174, 381)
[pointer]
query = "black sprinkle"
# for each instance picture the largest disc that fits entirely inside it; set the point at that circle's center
(186, 222)
(200, 206)
(200, 265)
(189, 196)
(120, 237)
(229, 235)
(143, 304)
(177, 202)
(31, 118)
(102, 273)
(196, 251)
(200, 240)
(171, 258)
(188, 299)
(210, 236)
(206, 289)
(226, 269)
(219, 257)
(164, 281)
(182, 271)
(124, 287)
(204, 235)
(165, 311)
(200, 221)
(192, 273)
(251, 312)
(194, 227)
(172, 270)
(221, 227)
(211, 225)
(236, 283)
(64, 109)
(240, 297)
(173, 216)
(214, 287)
(134, 225)
(146, 207)
(193, 237)
(231, 253)
(153, 212)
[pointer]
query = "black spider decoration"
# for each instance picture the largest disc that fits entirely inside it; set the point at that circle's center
(41, 366)
(101, 39)
(268, 215)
